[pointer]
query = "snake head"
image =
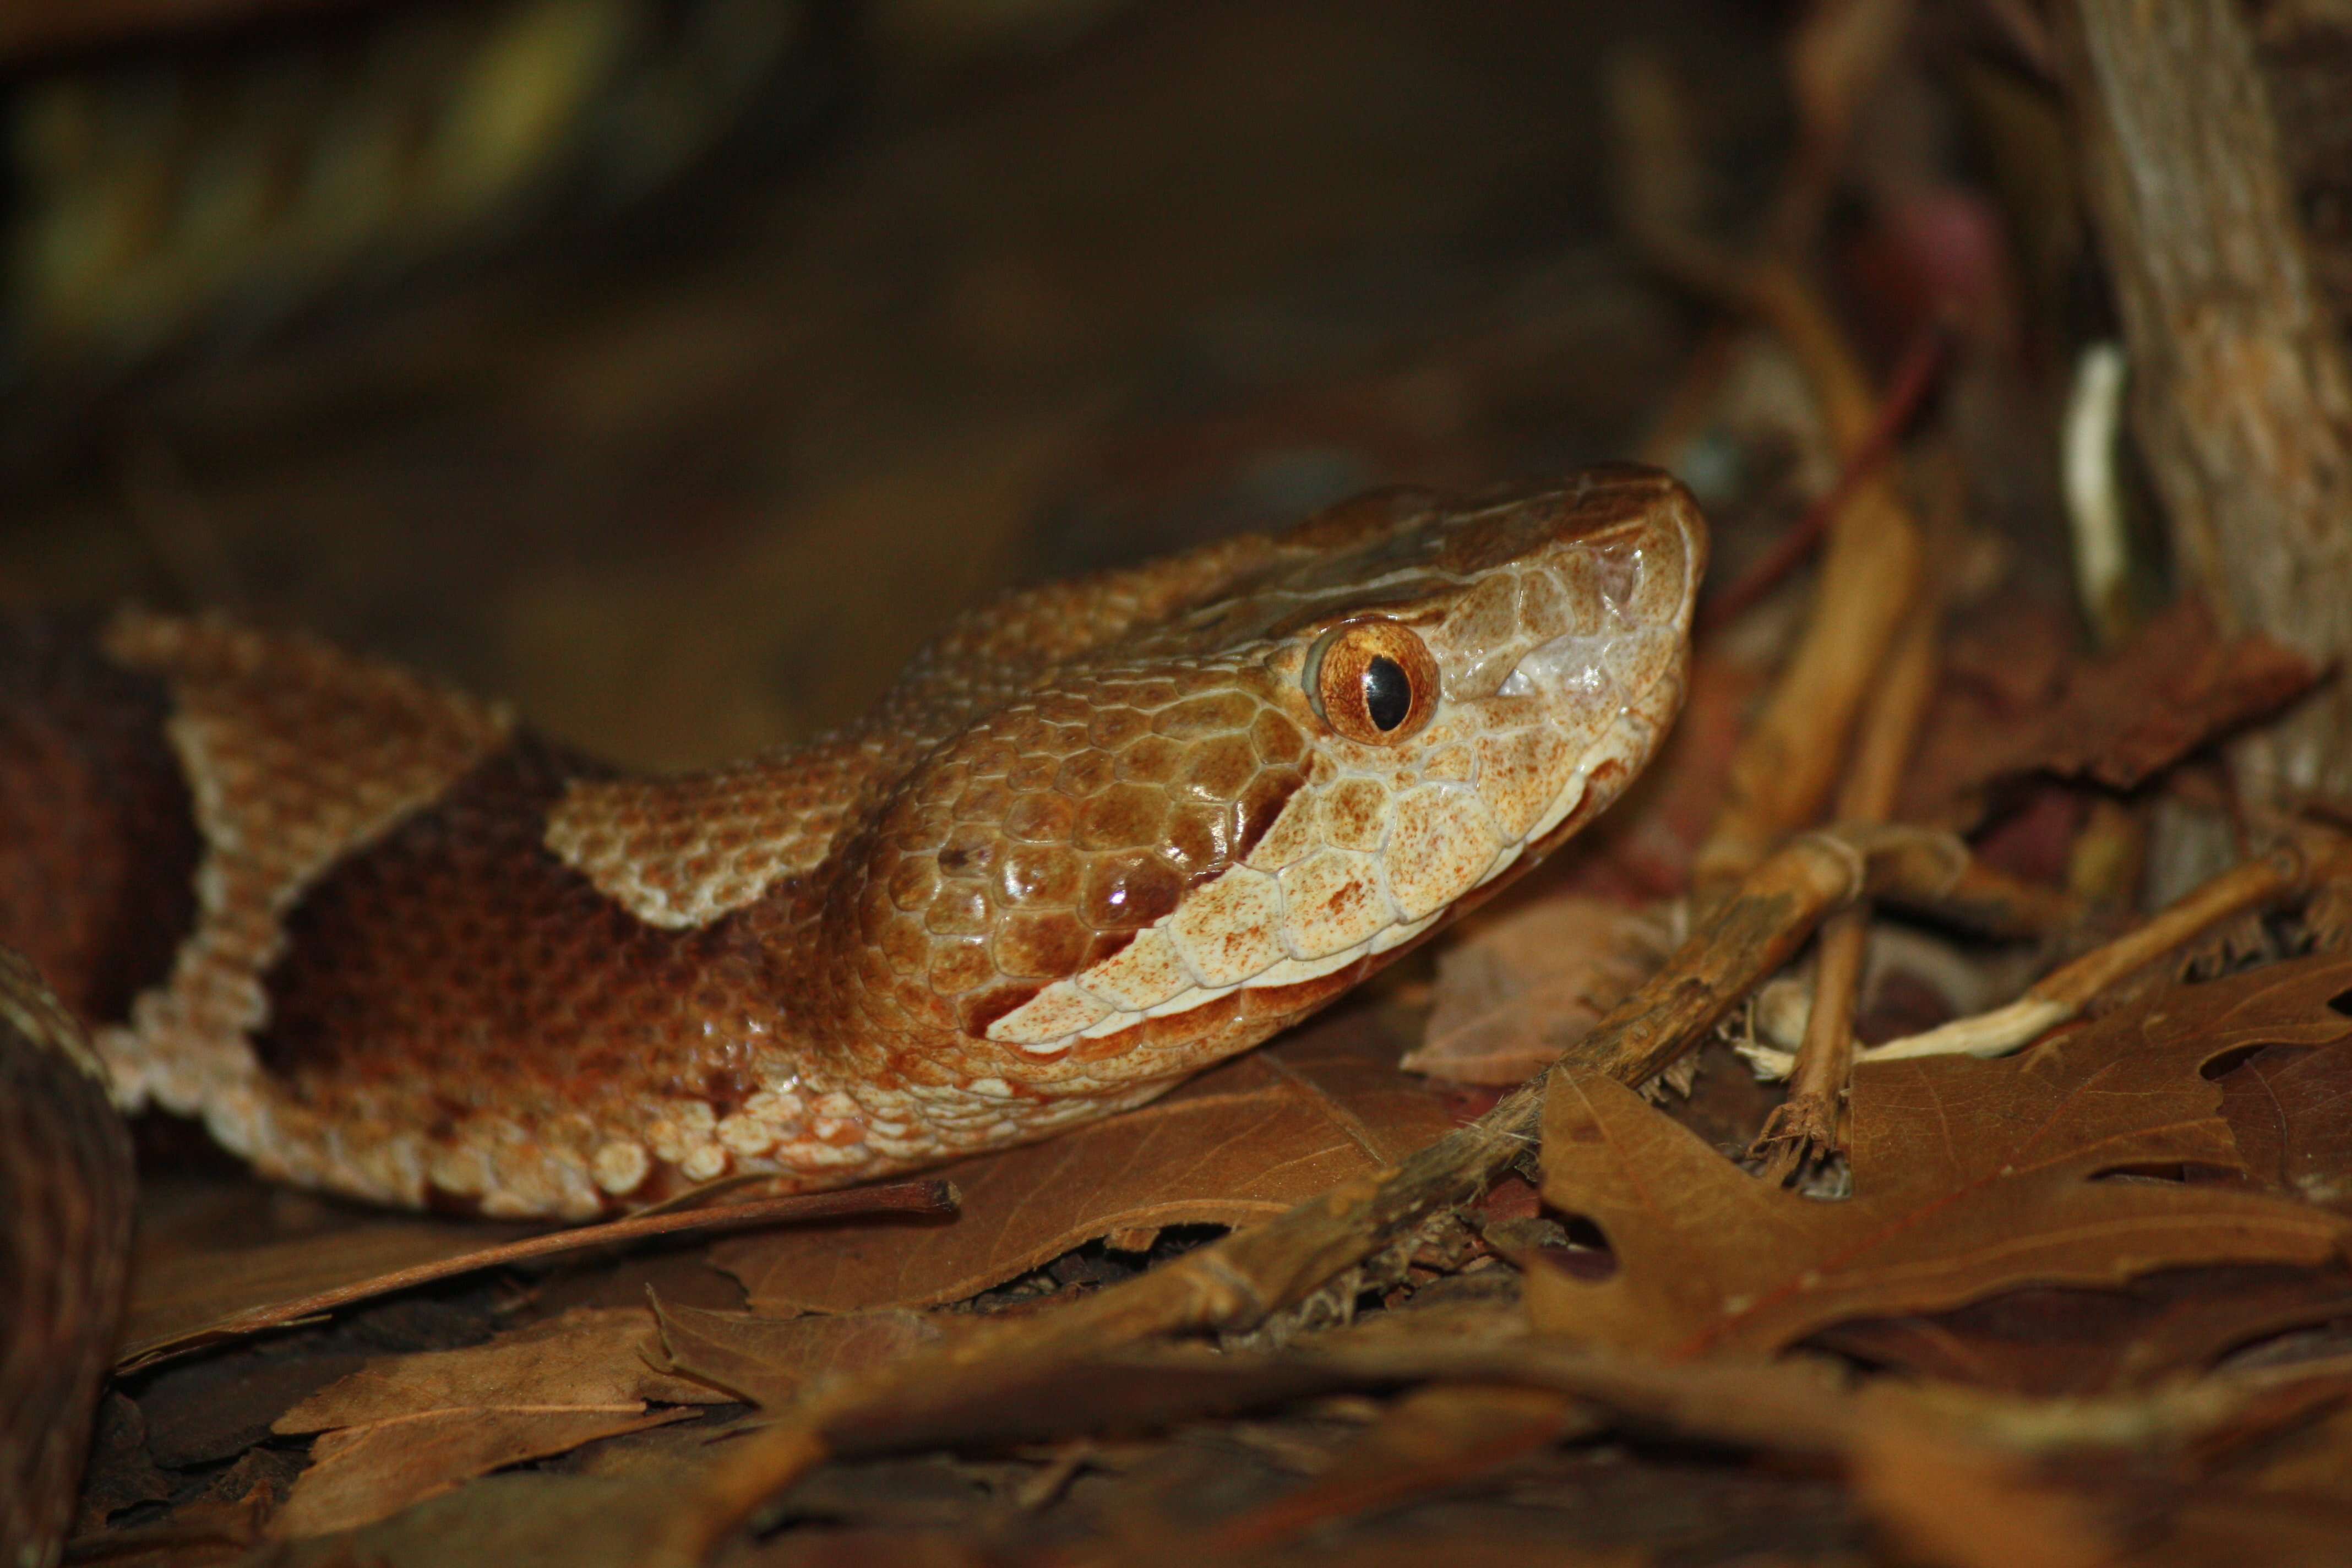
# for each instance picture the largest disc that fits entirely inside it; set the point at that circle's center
(1289, 758)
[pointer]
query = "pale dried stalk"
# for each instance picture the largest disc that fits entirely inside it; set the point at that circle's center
(2287, 871)
(1898, 708)
(1992, 903)
(1836, 57)
(1240, 1281)
(1807, 1124)
(1787, 765)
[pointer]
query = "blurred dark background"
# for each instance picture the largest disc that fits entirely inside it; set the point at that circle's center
(672, 367)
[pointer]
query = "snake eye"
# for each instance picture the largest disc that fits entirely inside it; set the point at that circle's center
(1373, 682)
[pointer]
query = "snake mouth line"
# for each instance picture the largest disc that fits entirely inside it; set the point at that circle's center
(1620, 751)
(1627, 662)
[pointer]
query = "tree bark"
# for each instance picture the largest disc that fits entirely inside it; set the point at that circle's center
(2242, 400)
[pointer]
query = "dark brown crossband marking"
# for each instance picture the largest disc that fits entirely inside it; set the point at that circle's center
(457, 950)
(99, 845)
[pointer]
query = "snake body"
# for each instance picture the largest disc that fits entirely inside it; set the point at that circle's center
(386, 943)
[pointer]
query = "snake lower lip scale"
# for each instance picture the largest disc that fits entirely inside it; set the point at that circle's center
(1099, 836)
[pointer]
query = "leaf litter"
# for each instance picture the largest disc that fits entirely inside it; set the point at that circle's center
(1969, 1178)
(2084, 1304)
(1483, 1376)
(1242, 1142)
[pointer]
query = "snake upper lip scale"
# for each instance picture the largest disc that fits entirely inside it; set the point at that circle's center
(1099, 836)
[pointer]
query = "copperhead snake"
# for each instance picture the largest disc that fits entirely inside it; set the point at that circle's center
(384, 942)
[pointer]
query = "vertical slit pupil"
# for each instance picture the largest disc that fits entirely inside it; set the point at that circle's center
(1388, 692)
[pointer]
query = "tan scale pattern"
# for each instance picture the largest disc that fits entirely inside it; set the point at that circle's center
(1098, 838)
(682, 852)
(293, 753)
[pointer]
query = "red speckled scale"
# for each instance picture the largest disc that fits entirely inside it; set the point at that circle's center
(1096, 838)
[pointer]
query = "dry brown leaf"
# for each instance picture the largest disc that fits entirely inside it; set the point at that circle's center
(1971, 1177)
(1431, 1439)
(182, 1293)
(1516, 990)
(767, 1361)
(361, 1474)
(1959, 1505)
(1242, 1142)
(2059, 1343)
(2292, 1113)
(121, 1473)
(2260, 1478)
(200, 1298)
(592, 1358)
(2313, 1463)
(2116, 722)
(524, 1520)
(405, 1428)
(2289, 1110)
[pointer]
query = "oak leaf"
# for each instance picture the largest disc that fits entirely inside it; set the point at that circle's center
(2290, 1110)
(769, 1361)
(2292, 1113)
(407, 1427)
(1971, 1178)
(2058, 1343)
(1242, 1142)
(521, 1519)
(593, 1358)
(1519, 988)
(359, 1475)
(2116, 722)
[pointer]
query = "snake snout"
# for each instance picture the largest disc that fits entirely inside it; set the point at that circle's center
(1607, 611)
(1647, 570)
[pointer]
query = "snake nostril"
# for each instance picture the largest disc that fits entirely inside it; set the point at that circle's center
(1617, 574)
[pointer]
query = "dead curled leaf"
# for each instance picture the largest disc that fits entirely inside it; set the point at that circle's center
(2292, 1113)
(405, 1428)
(592, 1357)
(361, 1474)
(580, 1522)
(1971, 1178)
(2116, 722)
(768, 1360)
(1240, 1144)
(199, 1298)
(178, 1294)
(2060, 1343)
(1518, 990)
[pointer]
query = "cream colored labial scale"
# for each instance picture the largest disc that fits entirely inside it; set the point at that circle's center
(1305, 908)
